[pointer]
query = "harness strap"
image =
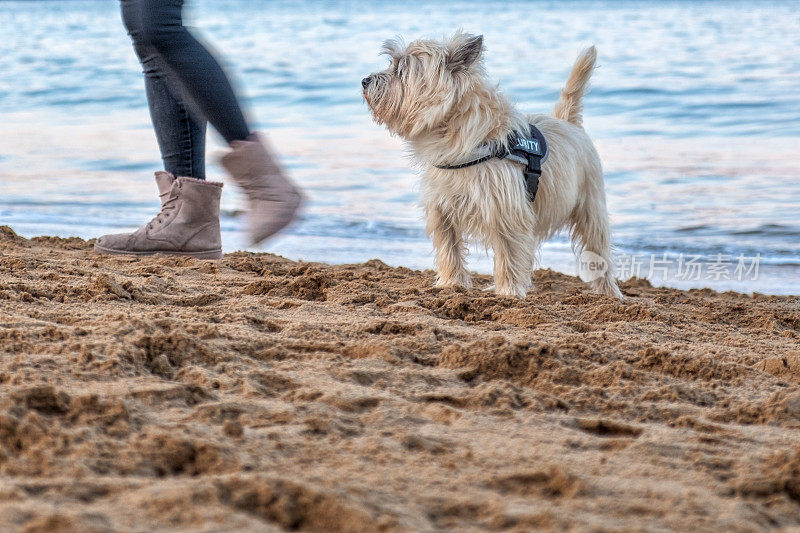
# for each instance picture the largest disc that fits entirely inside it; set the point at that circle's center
(529, 151)
(469, 164)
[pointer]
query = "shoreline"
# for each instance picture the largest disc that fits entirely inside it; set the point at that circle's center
(255, 393)
(781, 279)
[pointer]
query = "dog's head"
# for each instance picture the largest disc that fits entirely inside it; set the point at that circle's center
(423, 83)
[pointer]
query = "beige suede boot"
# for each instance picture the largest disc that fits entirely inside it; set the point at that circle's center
(187, 225)
(272, 197)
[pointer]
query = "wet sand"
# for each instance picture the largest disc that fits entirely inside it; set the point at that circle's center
(257, 394)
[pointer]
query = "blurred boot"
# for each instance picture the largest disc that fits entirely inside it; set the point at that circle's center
(272, 198)
(187, 225)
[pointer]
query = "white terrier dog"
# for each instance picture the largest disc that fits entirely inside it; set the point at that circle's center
(437, 96)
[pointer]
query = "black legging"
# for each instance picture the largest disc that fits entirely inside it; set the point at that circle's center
(179, 71)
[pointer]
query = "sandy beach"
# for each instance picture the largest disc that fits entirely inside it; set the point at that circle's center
(256, 394)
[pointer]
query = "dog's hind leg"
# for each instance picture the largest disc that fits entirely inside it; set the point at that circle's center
(513, 264)
(450, 249)
(591, 232)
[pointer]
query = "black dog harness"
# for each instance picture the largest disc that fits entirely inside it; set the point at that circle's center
(529, 151)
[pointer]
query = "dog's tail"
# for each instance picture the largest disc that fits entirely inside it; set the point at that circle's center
(570, 106)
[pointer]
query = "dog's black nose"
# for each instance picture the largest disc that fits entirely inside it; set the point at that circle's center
(366, 81)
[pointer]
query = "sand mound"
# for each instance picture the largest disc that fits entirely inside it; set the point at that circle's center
(257, 393)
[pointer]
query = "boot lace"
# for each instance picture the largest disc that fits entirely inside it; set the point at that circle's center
(167, 206)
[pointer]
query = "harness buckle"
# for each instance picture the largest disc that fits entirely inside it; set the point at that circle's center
(532, 173)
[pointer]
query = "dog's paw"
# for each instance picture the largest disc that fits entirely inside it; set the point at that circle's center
(464, 282)
(452, 285)
(510, 292)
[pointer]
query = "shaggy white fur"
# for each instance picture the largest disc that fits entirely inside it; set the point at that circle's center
(437, 96)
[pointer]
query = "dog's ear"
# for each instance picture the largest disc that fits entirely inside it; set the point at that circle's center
(393, 47)
(464, 49)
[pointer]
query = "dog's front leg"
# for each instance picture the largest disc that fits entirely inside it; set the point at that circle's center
(513, 263)
(450, 250)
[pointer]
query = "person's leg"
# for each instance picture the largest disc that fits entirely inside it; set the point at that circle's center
(188, 223)
(191, 66)
(273, 198)
(193, 73)
(181, 134)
